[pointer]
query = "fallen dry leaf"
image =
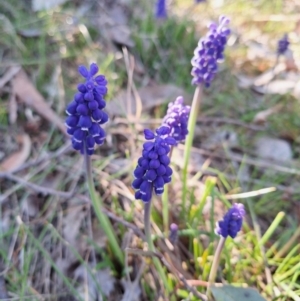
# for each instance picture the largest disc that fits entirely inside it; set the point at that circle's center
(268, 75)
(27, 93)
(8, 75)
(114, 20)
(15, 160)
(262, 116)
(276, 87)
(150, 96)
(104, 278)
(132, 291)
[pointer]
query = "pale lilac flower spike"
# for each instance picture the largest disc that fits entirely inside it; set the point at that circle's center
(209, 52)
(177, 119)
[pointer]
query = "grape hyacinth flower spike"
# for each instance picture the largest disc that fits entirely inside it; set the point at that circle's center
(283, 45)
(153, 170)
(209, 52)
(176, 118)
(229, 226)
(160, 9)
(84, 122)
(232, 221)
(207, 55)
(151, 174)
(86, 113)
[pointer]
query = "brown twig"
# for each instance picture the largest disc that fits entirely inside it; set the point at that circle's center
(65, 148)
(35, 187)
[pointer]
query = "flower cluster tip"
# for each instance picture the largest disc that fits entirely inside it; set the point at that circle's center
(85, 112)
(176, 118)
(209, 52)
(232, 221)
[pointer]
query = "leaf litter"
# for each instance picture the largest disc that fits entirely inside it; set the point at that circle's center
(152, 96)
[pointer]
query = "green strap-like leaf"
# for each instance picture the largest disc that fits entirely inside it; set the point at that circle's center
(231, 293)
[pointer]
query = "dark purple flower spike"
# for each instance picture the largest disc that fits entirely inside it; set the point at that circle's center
(86, 111)
(153, 170)
(209, 52)
(283, 45)
(232, 221)
(160, 9)
(177, 119)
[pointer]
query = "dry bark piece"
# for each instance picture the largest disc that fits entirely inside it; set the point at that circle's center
(28, 94)
(15, 160)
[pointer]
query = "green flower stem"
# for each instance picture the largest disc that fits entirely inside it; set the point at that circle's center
(165, 208)
(165, 202)
(188, 143)
(158, 266)
(215, 264)
(103, 219)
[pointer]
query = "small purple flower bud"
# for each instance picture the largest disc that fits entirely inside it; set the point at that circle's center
(77, 145)
(164, 159)
(148, 145)
(146, 191)
(79, 97)
(90, 85)
(83, 71)
(93, 69)
(94, 130)
(99, 140)
(161, 170)
(167, 179)
(72, 121)
(169, 171)
(154, 163)
(149, 135)
(84, 122)
(150, 175)
(136, 184)
(97, 115)
(101, 90)
(163, 130)
(173, 236)
(71, 131)
(232, 221)
(89, 96)
(100, 80)
(143, 163)
(71, 108)
(138, 195)
(139, 172)
(104, 118)
(82, 109)
(81, 88)
(78, 135)
(93, 105)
